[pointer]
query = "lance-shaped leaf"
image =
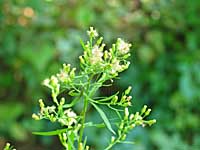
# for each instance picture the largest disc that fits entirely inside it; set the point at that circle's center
(50, 133)
(104, 117)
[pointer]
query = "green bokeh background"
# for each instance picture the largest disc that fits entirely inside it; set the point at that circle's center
(37, 36)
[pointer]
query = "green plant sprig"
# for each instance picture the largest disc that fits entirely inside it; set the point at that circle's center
(97, 67)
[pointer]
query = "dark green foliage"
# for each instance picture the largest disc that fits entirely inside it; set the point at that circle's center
(37, 36)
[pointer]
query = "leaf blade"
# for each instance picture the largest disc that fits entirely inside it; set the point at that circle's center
(50, 133)
(104, 117)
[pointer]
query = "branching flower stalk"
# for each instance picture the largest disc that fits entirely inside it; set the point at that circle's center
(98, 69)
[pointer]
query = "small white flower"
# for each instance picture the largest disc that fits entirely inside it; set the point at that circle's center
(97, 55)
(46, 82)
(63, 76)
(116, 67)
(131, 117)
(70, 113)
(123, 47)
(51, 109)
(126, 112)
(92, 32)
(97, 52)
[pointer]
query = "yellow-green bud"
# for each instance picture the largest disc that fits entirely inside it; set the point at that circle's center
(147, 112)
(81, 146)
(105, 55)
(132, 125)
(99, 41)
(64, 136)
(123, 137)
(81, 60)
(121, 125)
(36, 117)
(66, 68)
(126, 113)
(87, 147)
(144, 109)
(112, 139)
(131, 117)
(150, 122)
(128, 90)
(62, 101)
(115, 99)
(41, 103)
(72, 73)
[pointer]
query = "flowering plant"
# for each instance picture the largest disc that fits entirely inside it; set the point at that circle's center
(98, 69)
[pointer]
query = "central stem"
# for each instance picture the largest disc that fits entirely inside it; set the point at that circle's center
(82, 122)
(86, 99)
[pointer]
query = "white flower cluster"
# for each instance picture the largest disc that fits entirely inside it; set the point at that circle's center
(69, 118)
(53, 84)
(97, 58)
(66, 75)
(92, 33)
(97, 55)
(122, 46)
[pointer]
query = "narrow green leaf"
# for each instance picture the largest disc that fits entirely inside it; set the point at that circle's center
(127, 142)
(108, 98)
(103, 116)
(90, 124)
(71, 138)
(50, 133)
(72, 103)
(73, 93)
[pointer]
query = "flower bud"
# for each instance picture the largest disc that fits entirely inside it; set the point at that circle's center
(129, 98)
(150, 122)
(81, 146)
(92, 33)
(112, 139)
(62, 101)
(81, 60)
(133, 125)
(131, 117)
(128, 90)
(41, 103)
(99, 41)
(87, 147)
(72, 73)
(102, 47)
(123, 137)
(36, 117)
(121, 125)
(66, 68)
(115, 99)
(106, 56)
(64, 136)
(144, 109)
(147, 112)
(53, 81)
(126, 113)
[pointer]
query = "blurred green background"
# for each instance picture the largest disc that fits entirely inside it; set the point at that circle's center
(37, 36)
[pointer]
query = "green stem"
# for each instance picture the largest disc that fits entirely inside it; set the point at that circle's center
(112, 144)
(86, 99)
(83, 121)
